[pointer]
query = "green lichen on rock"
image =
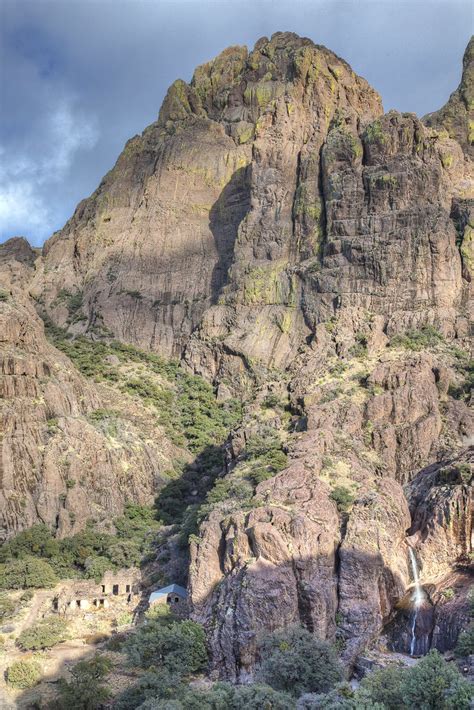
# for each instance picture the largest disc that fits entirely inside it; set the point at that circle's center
(304, 206)
(374, 133)
(267, 285)
(262, 93)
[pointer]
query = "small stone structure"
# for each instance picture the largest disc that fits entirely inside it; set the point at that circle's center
(121, 586)
(174, 595)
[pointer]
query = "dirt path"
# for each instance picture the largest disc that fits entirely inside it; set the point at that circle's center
(38, 600)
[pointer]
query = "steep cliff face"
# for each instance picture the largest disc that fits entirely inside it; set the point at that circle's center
(271, 195)
(71, 450)
(324, 542)
(292, 244)
(228, 176)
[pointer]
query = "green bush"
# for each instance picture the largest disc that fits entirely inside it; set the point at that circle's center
(44, 634)
(342, 497)
(4, 295)
(24, 674)
(464, 389)
(27, 573)
(7, 608)
(86, 689)
(158, 684)
(125, 618)
(426, 337)
(430, 684)
(261, 696)
(342, 697)
(179, 647)
(295, 661)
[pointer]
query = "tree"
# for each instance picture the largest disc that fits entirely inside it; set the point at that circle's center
(434, 684)
(465, 643)
(386, 686)
(86, 689)
(296, 662)
(27, 573)
(44, 634)
(24, 674)
(179, 647)
(125, 553)
(96, 567)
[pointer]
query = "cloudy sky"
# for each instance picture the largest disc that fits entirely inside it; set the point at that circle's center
(80, 77)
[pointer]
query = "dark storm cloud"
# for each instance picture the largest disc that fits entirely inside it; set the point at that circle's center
(80, 77)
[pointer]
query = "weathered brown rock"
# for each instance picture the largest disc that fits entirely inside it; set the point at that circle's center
(57, 466)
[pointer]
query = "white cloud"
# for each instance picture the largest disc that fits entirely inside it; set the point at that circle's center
(30, 172)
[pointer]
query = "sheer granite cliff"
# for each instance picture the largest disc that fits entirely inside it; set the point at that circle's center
(284, 238)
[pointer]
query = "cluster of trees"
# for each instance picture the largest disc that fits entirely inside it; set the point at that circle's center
(296, 672)
(34, 558)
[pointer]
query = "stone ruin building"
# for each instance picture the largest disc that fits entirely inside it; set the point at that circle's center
(122, 587)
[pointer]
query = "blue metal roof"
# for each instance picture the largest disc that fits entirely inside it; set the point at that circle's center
(170, 589)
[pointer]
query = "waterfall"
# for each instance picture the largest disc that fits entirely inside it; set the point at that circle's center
(417, 598)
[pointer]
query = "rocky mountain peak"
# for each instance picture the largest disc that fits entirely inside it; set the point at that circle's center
(457, 115)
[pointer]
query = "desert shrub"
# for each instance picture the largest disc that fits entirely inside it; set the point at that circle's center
(24, 674)
(158, 684)
(255, 696)
(116, 641)
(220, 696)
(27, 573)
(179, 647)
(4, 295)
(342, 497)
(37, 541)
(271, 401)
(86, 689)
(359, 349)
(125, 618)
(464, 388)
(386, 686)
(296, 662)
(342, 697)
(426, 337)
(44, 634)
(7, 608)
(224, 488)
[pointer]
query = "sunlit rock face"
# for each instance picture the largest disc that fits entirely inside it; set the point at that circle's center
(271, 195)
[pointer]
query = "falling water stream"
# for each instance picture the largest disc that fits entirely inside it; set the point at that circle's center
(417, 598)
